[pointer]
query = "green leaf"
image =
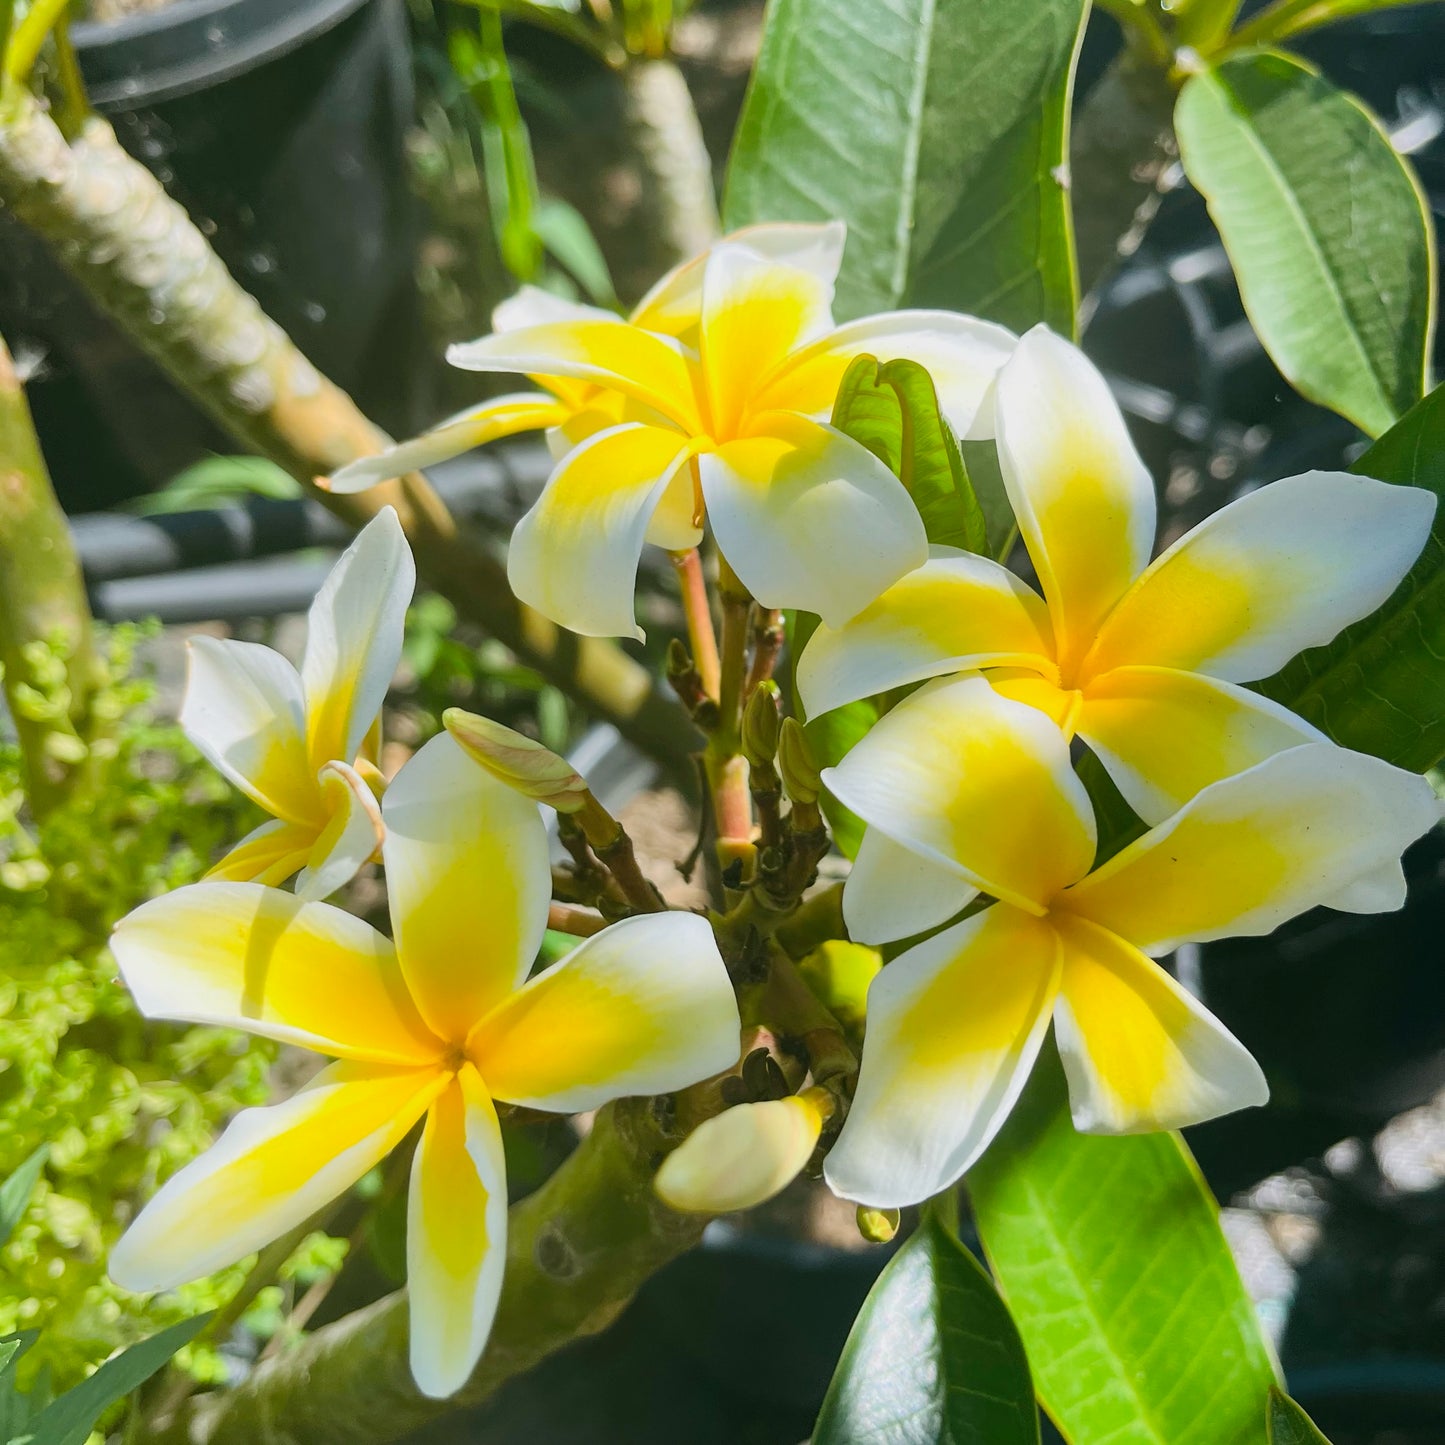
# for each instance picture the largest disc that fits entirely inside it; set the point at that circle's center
(217, 482)
(1110, 1256)
(14, 1407)
(1379, 687)
(569, 239)
(938, 130)
(933, 1358)
(15, 1192)
(1326, 227)
(71, 1418)
(1289, 1425)
(892, 410)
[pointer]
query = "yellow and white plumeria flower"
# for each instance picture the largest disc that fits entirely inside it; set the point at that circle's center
(290, 740)
(571, 409)
(732, 427)
(436, 1024)
(1143, 661)
(979, 789)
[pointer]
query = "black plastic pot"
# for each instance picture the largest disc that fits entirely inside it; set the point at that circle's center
(280, 125)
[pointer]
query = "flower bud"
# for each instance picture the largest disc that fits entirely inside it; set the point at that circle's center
(760, 725)
(877, 1226)
(797, 764)
(744, 1155)
(839, 973)
(519, 762)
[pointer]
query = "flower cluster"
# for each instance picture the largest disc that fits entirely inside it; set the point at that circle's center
(708, 406)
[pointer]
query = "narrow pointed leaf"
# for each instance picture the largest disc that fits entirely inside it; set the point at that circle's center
(15, 1192)
(938, 129)
(892, 410)
(1379, 687)
(1289, 1425)
(933, 1358)
(1109, 1254)
(15, 1408)
(70, 1419)
(1326, 227)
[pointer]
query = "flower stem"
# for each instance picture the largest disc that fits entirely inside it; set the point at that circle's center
(701, 637)
(727, 770)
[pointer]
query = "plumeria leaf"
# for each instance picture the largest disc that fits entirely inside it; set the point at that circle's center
(70, 1419)
(1379, 687)
(1326, 227)
(1289, 1425)
(942, 128)
(1109, 1254)
(15, 1192)
(15, 1408)
(933, 1358)
(892, 409)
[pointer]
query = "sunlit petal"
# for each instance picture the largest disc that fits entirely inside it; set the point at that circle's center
(1083, 499)
(468, 880)
(895, 893)
(255, 958)
(532, 306)
(456, 1237)
(244, 710)
(975, 780)
(574, 556)
(1250, 852)
(1381, 890)
(1163, 735)
(754, 312)
(809, 518)
(674, 305)
(503, 416)
(653, 369)
(644, 1007)
(269, 854)
(269, 1172)
(961, 353)
(955, 613)
(1282, 569)
(349, 840)
(1140, 1053)
(353, 639)
(954, 1026)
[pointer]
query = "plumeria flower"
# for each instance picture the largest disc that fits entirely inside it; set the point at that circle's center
(981, 787)
(728, 421)
(1142, 661)
(570, 409)
(303, 745)
(434, 1025)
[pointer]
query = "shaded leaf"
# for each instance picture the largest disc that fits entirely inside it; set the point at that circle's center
(933, 1357)
(15, 1408)
(1110, 1256)
(1289, 1425)
(71, 1418)
(938, 130)
(892, 410)
(1379, 687)
(1325, 225)
(15, 1192)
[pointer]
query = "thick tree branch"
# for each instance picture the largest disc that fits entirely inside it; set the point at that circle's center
(138, 255)
(577, 1251)
(42, 601)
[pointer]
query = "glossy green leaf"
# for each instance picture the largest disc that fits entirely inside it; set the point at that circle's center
(933, 1357)
(70, 1419)
(15, 1192)
(892, 410)
(1110, 1256)
(1379, 686)
(1289, 1425)
(938, 130)
(1326, 228)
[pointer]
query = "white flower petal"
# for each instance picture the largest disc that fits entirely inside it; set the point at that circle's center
(895, 893)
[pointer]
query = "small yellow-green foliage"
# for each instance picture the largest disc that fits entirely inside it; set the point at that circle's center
(122, 1103)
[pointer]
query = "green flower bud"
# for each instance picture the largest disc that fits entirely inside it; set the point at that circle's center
(518, 761)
